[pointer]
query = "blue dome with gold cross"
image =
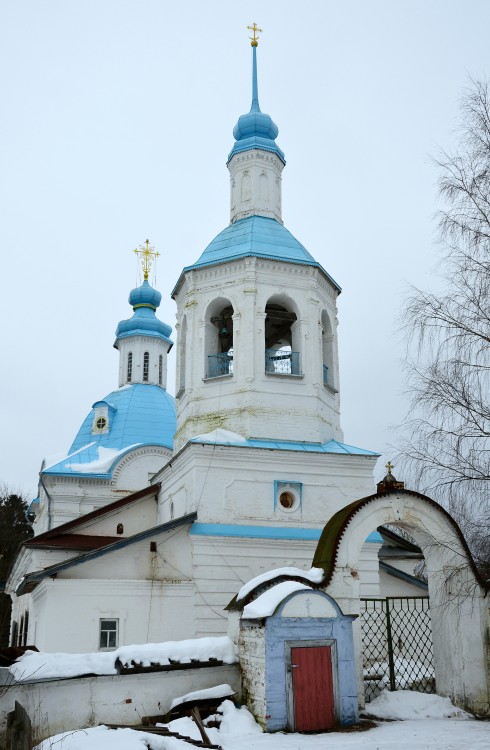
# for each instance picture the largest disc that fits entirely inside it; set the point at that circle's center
(145, 301)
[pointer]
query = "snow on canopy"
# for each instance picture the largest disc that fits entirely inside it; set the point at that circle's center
(315, 575)
(267, 603)
(35, 665)
(220, 691)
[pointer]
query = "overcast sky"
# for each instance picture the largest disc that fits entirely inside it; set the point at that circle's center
(117, 121)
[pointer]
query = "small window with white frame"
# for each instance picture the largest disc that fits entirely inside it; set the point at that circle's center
(287, 496)
(108, 634)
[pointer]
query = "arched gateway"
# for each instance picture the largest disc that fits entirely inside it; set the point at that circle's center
(459, 597)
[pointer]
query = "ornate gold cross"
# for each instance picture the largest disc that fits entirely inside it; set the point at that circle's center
(254, 40)
(147, 255)
(389, 466)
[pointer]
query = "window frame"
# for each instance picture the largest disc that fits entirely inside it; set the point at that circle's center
(107, 631)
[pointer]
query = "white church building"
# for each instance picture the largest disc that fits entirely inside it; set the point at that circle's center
(162, 508)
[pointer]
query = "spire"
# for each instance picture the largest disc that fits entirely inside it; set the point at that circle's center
(255, 130)
(255, 89)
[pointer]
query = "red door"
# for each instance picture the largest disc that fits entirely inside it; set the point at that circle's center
(312, 688)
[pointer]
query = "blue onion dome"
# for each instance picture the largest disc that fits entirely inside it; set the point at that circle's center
(255, 123)
(255, 129)
(145, 295)
(144, 300)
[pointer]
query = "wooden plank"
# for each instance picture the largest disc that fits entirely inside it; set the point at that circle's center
(169, 667)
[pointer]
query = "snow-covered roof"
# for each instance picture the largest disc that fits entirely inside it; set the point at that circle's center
(267, 603)
(35, 665)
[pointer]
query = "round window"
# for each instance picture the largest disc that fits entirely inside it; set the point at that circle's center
(101, 423)
(286, 500)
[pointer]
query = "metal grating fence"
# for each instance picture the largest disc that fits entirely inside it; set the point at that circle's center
(397, 645)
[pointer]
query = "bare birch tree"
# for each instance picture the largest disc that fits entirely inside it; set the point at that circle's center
(446, 449)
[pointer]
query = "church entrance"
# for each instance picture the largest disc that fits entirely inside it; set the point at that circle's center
(397, 645)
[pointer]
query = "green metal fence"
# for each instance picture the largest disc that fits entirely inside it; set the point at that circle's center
(397, 645)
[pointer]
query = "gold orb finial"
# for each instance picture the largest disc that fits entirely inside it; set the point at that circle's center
(147, 255)
(254, 40)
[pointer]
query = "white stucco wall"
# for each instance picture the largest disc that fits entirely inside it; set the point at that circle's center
(60, 705)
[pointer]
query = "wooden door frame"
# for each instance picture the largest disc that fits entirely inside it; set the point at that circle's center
(288, 646)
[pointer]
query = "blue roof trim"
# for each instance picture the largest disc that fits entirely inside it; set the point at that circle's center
(144, 414)
(333, 446)
(254, 532)
(255, 236)
(262, 532)
(264, 144)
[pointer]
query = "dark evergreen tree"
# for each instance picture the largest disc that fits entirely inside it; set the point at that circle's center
(14, 529)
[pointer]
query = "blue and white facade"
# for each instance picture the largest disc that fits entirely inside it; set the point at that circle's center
(246, 465)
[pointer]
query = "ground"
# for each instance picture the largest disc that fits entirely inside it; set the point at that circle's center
(238, 731)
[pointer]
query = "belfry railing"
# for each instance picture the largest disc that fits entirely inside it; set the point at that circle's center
(281, 363)
(220, 364)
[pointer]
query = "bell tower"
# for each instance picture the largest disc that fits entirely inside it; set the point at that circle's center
(257, 318)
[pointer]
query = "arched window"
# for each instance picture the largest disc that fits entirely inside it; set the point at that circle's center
(160, 369)
(182, 355)
(26, 628)
(282, 352)
(219, 339)
(130, 367)
(146, 366)
(327, 350)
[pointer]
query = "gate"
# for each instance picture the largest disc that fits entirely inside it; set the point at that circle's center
(397, 645)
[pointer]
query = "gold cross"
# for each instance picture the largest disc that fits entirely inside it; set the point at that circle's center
(147, 255)
(255, 29)
(389, 466)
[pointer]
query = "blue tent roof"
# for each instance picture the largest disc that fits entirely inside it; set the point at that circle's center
(256, 236)
(139, 414)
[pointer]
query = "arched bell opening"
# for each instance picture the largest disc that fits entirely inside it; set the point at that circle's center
(327, 351)
(219, 339)
(282, 341)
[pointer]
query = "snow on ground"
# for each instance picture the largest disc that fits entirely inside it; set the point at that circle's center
(267, 603)
(36, 666)
(408, 704)
(405, 669)
(238, 731)
(315, 575)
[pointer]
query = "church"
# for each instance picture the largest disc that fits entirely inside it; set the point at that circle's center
(162, 507)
